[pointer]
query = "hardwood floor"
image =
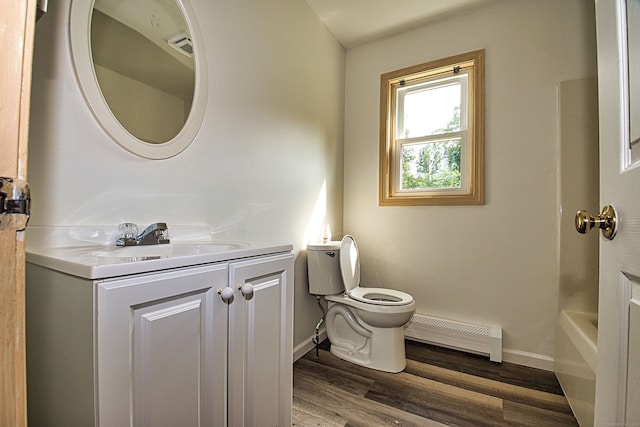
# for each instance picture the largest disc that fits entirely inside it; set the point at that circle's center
(438, 387)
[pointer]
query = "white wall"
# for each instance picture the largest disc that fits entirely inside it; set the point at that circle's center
(272, 135)
(494, 264)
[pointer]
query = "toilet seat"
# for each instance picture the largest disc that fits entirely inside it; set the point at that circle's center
(380, 296)
(350, 271)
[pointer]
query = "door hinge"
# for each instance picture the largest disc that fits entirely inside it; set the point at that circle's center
(15, 204)
(41, 8)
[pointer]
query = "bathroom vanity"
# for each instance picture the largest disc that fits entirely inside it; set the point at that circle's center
(192, 333)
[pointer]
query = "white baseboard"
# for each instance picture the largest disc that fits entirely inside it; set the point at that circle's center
(307, 345)
(524, 358)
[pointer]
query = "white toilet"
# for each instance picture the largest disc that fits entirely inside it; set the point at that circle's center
(364, 325)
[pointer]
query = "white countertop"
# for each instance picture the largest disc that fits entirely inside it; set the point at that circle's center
(90, 252)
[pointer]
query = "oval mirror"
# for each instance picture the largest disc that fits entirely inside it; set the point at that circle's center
(141, 71)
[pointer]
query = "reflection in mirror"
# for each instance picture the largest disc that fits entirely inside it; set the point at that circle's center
(633, 47)
(150, 102)
(142, 70)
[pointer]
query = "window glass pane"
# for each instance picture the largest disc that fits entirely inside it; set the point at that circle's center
(431, 165)
(431, 111)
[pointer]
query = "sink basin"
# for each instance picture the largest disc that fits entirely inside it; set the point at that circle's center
(142, 253)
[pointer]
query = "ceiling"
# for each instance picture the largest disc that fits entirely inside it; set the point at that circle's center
(355, 22)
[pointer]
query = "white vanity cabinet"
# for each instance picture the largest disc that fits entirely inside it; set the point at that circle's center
(162, 348)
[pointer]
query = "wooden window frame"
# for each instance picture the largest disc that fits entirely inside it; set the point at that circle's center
(472, 162)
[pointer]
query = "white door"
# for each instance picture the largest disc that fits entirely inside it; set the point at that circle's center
(618, 369)
(17, 29)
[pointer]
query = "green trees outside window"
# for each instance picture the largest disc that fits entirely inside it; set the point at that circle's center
(433, 164)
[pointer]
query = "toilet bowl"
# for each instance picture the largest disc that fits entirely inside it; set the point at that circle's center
(364, 324)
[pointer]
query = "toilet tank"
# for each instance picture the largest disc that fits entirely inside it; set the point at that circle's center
(323, 261)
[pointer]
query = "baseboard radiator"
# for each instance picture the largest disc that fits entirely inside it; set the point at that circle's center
(479, 339)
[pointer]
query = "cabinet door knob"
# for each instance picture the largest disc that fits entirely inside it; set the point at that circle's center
(246, 290)
(226, 294)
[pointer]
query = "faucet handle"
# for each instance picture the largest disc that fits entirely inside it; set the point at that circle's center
(128, 232)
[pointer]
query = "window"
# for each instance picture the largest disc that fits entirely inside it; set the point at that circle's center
(432, 133)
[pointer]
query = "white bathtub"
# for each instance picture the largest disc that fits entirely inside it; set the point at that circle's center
(575, 362)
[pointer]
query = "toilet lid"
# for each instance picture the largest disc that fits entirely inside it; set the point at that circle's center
(350, 270)
(349, 263)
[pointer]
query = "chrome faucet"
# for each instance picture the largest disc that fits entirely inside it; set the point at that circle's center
(155, 234)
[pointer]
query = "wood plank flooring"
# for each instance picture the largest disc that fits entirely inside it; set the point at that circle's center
(438, 387)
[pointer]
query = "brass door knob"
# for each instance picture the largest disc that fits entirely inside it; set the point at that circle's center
(606, 222)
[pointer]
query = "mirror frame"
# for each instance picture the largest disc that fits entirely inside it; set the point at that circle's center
(80, 41)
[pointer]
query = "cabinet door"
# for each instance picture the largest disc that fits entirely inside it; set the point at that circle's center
(161, 349)
(261, 343)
